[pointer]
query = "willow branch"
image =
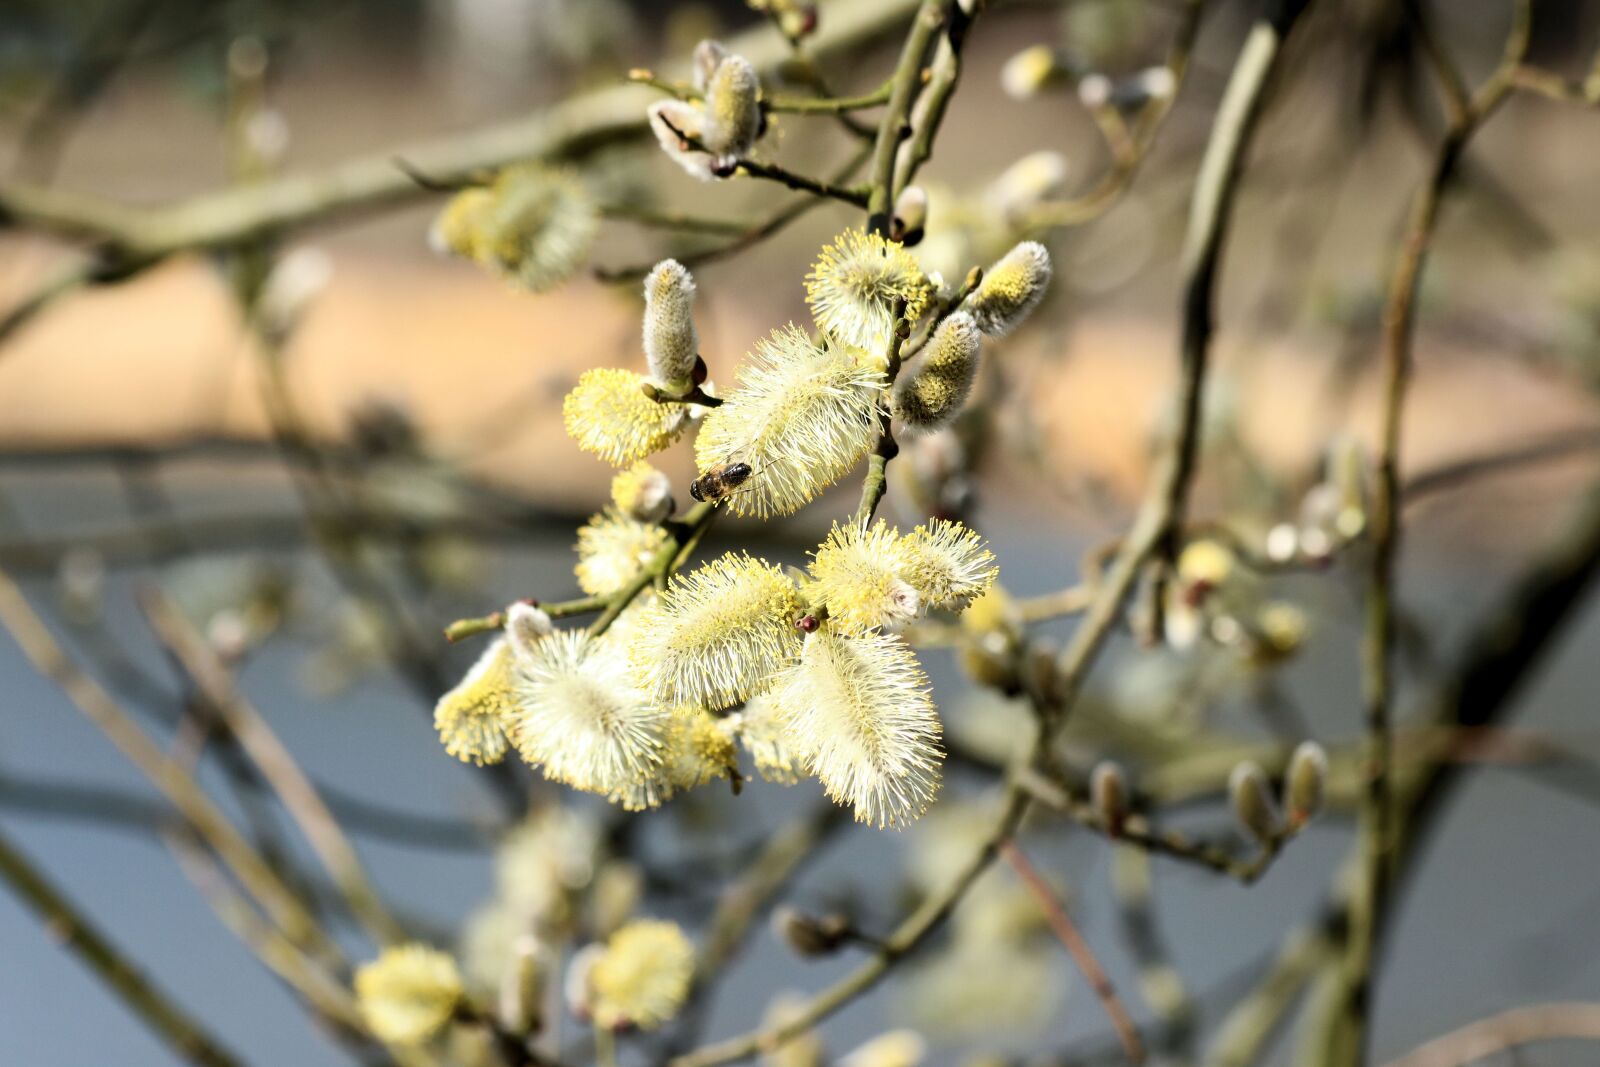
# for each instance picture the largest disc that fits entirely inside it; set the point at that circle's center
(1066, 931)
(299, 796)
(1377, 651)
(264, 884)
(238, 216)
(1506, 1032)
(71, 929)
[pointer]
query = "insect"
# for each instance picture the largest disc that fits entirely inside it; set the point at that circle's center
(720, 482)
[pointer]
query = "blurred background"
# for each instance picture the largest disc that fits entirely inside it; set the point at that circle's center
(424, 474)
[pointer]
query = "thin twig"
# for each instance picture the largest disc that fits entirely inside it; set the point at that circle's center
(1082, 955)
(1505, 1032)
(47, 656)
(300, 798)
(71, 929)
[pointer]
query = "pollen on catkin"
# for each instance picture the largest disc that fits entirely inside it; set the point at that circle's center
(642, 492)
(854, 285)
(761, 731)
(948, 564)
(534, 225)
(716, 634)
(474, 717)
(581, 719)
(612, 550)
(698, 750)
(858, 574)
(931, 392)
(801, 417)
(1011, 289)
(408, 993)
(858, 709)
(607, 413)
(670, 343)
(642, 977)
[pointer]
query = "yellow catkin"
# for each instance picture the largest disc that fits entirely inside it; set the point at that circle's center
(1011, 289)
(857, 707)
(698, 749)
(642, 977)
(802, 417)
(716, 634)
(609, 415)
(858, 574)
(853, 288)
(408, 993)
(948, 564)
(473, 718)
(613, 549)
(931, 392)
(580, 716)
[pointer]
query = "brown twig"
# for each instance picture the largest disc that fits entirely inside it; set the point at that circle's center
(1082, 955)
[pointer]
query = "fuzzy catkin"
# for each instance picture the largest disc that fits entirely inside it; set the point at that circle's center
(473, 718)
(408, 993)
(581, 718)
(671, 345)
(854, 286)
(717, 633)
(733, 109)
(858, 708)
(931, 392)
(1011, 289)
(802, 418)
(608, 414)
(1250, 793)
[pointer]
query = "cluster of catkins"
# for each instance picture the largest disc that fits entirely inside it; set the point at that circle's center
(806, 670)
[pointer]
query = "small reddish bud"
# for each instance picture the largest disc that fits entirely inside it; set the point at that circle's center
(807, 624)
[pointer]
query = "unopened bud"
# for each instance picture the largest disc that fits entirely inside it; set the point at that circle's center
(671, 345)
(810, 935)
(1283, 542)
(1280, 630)
(1305, 783)
(733, 109)
(708, 56)
(1348, 472)
(1250, 793)
(807, 624)
(526, 626)
(990, 666)
(934, 389)
(1205, 563)
(1029, 71)
(1108, 793)
(798, 21)
(1095, 90)
(1011, 289)
(910, 215)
